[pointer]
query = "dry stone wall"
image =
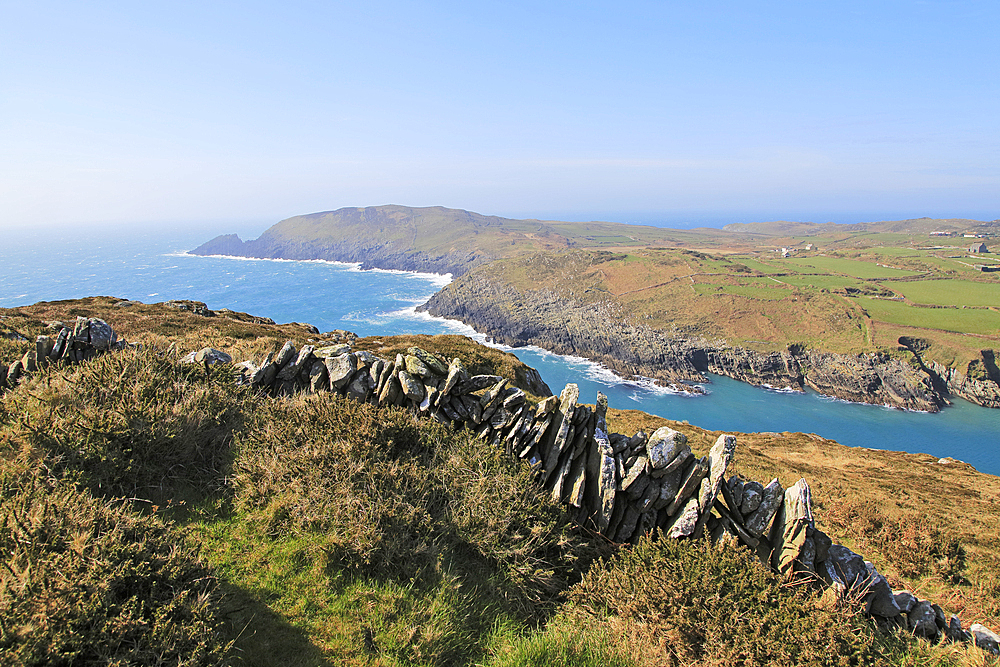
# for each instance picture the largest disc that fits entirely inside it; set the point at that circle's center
(621, 486)
(83, 340)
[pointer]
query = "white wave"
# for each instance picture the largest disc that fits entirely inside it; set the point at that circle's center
(780, 390)
(412, 313)
(345, 265)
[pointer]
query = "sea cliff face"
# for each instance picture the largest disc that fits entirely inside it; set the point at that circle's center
(602, 333)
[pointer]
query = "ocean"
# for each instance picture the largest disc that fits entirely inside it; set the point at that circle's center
(152, 266)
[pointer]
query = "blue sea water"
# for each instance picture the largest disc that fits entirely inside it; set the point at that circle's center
(152, 266)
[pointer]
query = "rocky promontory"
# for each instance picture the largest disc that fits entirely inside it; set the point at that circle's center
(603, 333)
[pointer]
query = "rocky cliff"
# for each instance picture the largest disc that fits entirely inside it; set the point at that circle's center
(602, 333)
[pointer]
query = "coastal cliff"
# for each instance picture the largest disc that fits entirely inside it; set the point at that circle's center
(601, 332)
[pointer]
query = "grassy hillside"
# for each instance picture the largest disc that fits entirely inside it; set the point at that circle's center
(159, 514)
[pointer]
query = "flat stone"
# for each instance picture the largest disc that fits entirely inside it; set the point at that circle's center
(318, 376)
(687, 520)
(664, 445)
(736, 485)
(330, 351)
(985, 638)
(759, 520)
(285, 354)
(558, 433)
(753, 492)
(207, 355)
(456, 374)
(690, 485)
(790, 533)
(340, 369)
(477, 383)
(905, 601)
(412, 388)
(634, 472)
(436, 366)
(416, 367)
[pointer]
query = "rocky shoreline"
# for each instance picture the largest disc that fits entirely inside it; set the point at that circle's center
(602, 333)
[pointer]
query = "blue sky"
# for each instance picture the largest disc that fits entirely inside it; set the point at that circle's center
(660, 112)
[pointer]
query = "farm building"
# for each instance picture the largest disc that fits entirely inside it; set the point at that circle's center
(978, 247)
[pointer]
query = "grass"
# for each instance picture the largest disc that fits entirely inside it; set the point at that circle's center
(847, 267)
(950, 292)
(970, 321)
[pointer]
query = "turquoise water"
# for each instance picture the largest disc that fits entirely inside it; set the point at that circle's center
(152, 267)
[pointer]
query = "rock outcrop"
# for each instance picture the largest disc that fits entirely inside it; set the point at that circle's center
(600, 332)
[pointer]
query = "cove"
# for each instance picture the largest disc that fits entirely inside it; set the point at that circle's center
(153, 266)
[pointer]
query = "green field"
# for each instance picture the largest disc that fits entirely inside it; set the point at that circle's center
(950, 292)
(757, 266)
(972, 321)
(822, 282)
(848, 267)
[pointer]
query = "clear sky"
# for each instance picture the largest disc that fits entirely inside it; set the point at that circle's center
(660, 112)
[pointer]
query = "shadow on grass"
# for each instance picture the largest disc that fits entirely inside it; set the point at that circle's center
(263, 638)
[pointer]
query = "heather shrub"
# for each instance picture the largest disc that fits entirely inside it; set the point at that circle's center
(914, 544)
(133, 423)
(684, 603)
(88, 581)
(389, 497)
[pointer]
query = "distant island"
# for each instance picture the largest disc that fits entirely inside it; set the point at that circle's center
(901, 313)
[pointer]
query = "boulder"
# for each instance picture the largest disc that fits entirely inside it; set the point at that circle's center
(880, 601)
(844, 568)
(664, 445)
(360, 386)
(921, 620)
(954, 631)
(101, 335)
(208, 356)
(340, 370)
